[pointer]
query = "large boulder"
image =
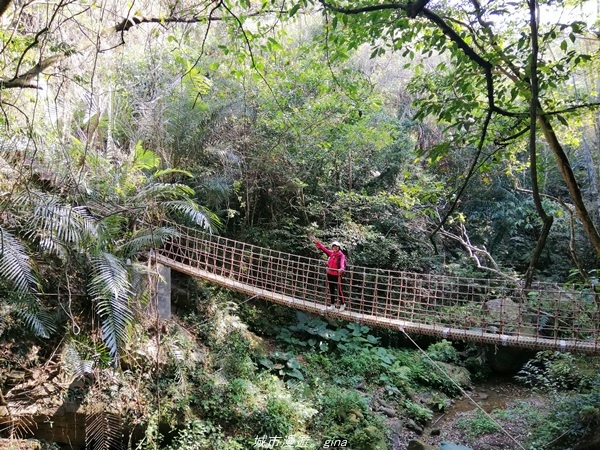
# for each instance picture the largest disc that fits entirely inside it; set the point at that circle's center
(502, 314)
(459, 374)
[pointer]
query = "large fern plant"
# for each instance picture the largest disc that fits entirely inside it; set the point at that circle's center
(105, 220)
(20, 285)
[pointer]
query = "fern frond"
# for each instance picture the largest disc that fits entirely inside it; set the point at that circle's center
(56, 226)
(189, 210)
(163, 191)
(15, 264)
(41, 322)
(111, 289)
(29, 310)
(144, 158)
(110, 276)
(200, 82)
(63, 222)
(147, 239)
(103, 431)
(161, 173)
(110, 228)
(74, 364)
(116, 316)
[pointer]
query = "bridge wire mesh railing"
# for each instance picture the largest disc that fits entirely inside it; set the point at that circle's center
(484, 310)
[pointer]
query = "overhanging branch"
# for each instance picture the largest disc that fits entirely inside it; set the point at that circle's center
(28, 79)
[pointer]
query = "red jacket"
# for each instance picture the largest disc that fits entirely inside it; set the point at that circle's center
(335, 260)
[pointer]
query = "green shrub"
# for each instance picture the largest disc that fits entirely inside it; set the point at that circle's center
(362, 364)
(399, 377)
(319, 362)
(235, 356)
(571, 421)
(443, 351)
(417, 412)
(476, 424)
(201, 435)
(475, 360)
(335, 405)
(214, 400)
(367, 438)
(277, 419)
(553, 371)
(239, 395)
(425, 373)
(317, 334)
(344, 413)
(285, 365)
(283, 415)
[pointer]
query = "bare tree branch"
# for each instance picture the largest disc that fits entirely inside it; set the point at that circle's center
(130, 22)
(476, 253)
(27, 79)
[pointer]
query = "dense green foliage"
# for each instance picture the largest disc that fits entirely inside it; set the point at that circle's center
(406, 131)
(328, 380)
(280, 145)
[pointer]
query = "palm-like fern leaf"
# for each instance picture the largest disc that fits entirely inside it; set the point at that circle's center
(29, 309)
(111, 289)
(191, 211)
(110, 229)
(163, 191)
(75, 364)
(147, 239)
(15, 265)
(161, 173)
(41, 322)
(55, 225)
(103, 431)
(143, 158)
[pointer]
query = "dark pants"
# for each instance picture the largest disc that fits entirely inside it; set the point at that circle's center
(334, 285)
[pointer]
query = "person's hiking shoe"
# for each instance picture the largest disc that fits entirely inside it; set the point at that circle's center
(329, 308)
(342, 306)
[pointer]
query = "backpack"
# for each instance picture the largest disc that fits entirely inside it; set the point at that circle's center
(346, 254)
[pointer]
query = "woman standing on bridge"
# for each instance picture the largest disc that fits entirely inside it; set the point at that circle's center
(336, 264)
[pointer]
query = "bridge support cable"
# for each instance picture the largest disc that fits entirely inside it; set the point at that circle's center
(489, 311)
(463, 392)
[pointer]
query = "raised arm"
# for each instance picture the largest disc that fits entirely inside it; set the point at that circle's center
(321, 246)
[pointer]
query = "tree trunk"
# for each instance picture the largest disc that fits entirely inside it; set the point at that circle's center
(567, 173)
(534, 84)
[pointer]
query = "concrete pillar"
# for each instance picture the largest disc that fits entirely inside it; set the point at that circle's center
(160, 299)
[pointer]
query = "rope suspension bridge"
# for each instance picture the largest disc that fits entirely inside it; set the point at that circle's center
(499, 312)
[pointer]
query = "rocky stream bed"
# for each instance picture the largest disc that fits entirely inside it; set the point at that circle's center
(461, 423)
(466, 422)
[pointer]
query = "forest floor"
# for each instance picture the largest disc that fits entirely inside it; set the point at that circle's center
(496, 415)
